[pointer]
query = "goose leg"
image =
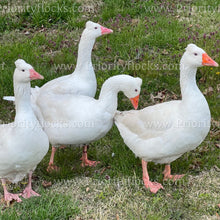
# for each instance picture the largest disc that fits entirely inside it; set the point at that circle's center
(153, 186)
(52, 167)
(9, 196)
(28, 192)
(167, 174)
(84, 158)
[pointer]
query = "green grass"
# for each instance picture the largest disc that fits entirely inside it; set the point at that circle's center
(48, 206)
(148, 34)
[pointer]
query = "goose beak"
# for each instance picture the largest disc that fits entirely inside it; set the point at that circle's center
(134, 101)
(208, 61)
(105, 30)
(35, 75)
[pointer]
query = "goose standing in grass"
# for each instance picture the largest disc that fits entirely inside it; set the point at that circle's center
(78, 119)
(23, 143)
(81, 82)
(163, 132)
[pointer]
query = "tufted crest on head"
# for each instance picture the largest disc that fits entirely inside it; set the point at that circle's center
(90, 24)
(21, 64)
(191, 47)
(139, 81)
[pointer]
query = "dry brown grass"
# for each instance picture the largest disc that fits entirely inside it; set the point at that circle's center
(126, 198)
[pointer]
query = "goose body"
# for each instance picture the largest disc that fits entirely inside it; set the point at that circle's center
(74, 125)
(23, 143)
(76, 120)
(20, 148)
(163, 132)
(72, 84)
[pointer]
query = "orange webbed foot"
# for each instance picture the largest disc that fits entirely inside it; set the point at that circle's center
(28, 192)
(90, 163)
(53, 168)
(10, 197)
(152, 186)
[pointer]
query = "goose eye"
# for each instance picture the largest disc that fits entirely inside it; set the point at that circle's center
(135, 90)
(195, 54)
(22, 70)
(95, 27)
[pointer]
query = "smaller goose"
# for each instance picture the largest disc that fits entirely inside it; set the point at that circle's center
(163, 132)
(23, 143)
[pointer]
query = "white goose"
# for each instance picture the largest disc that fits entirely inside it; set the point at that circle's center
(23, 143)
(81, 82)
(76, 120)
(163, 132)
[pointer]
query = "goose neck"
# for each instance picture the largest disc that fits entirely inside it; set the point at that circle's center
(188, 84)
(109, 94)
(22, 99)
(84, 53)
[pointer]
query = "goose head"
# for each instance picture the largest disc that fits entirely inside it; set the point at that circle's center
(24, 72)
(94, 30)
(132, 89)
(196, 57)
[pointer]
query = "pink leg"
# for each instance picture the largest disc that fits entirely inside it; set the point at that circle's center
(52, 167)
(85, 161)
(9, 196)
(167, 174)
(153, 186)
(28, 192)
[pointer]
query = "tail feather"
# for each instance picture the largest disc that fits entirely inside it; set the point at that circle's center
(9, 98)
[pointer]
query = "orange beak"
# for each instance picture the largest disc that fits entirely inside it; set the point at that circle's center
(35, 75)
(105, 30)
(134, 101)
(208, 61)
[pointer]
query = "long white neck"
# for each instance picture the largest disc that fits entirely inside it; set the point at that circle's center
(189, 88)
(109, 93)
(194, 106)
(22, 93)
(84, 53)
